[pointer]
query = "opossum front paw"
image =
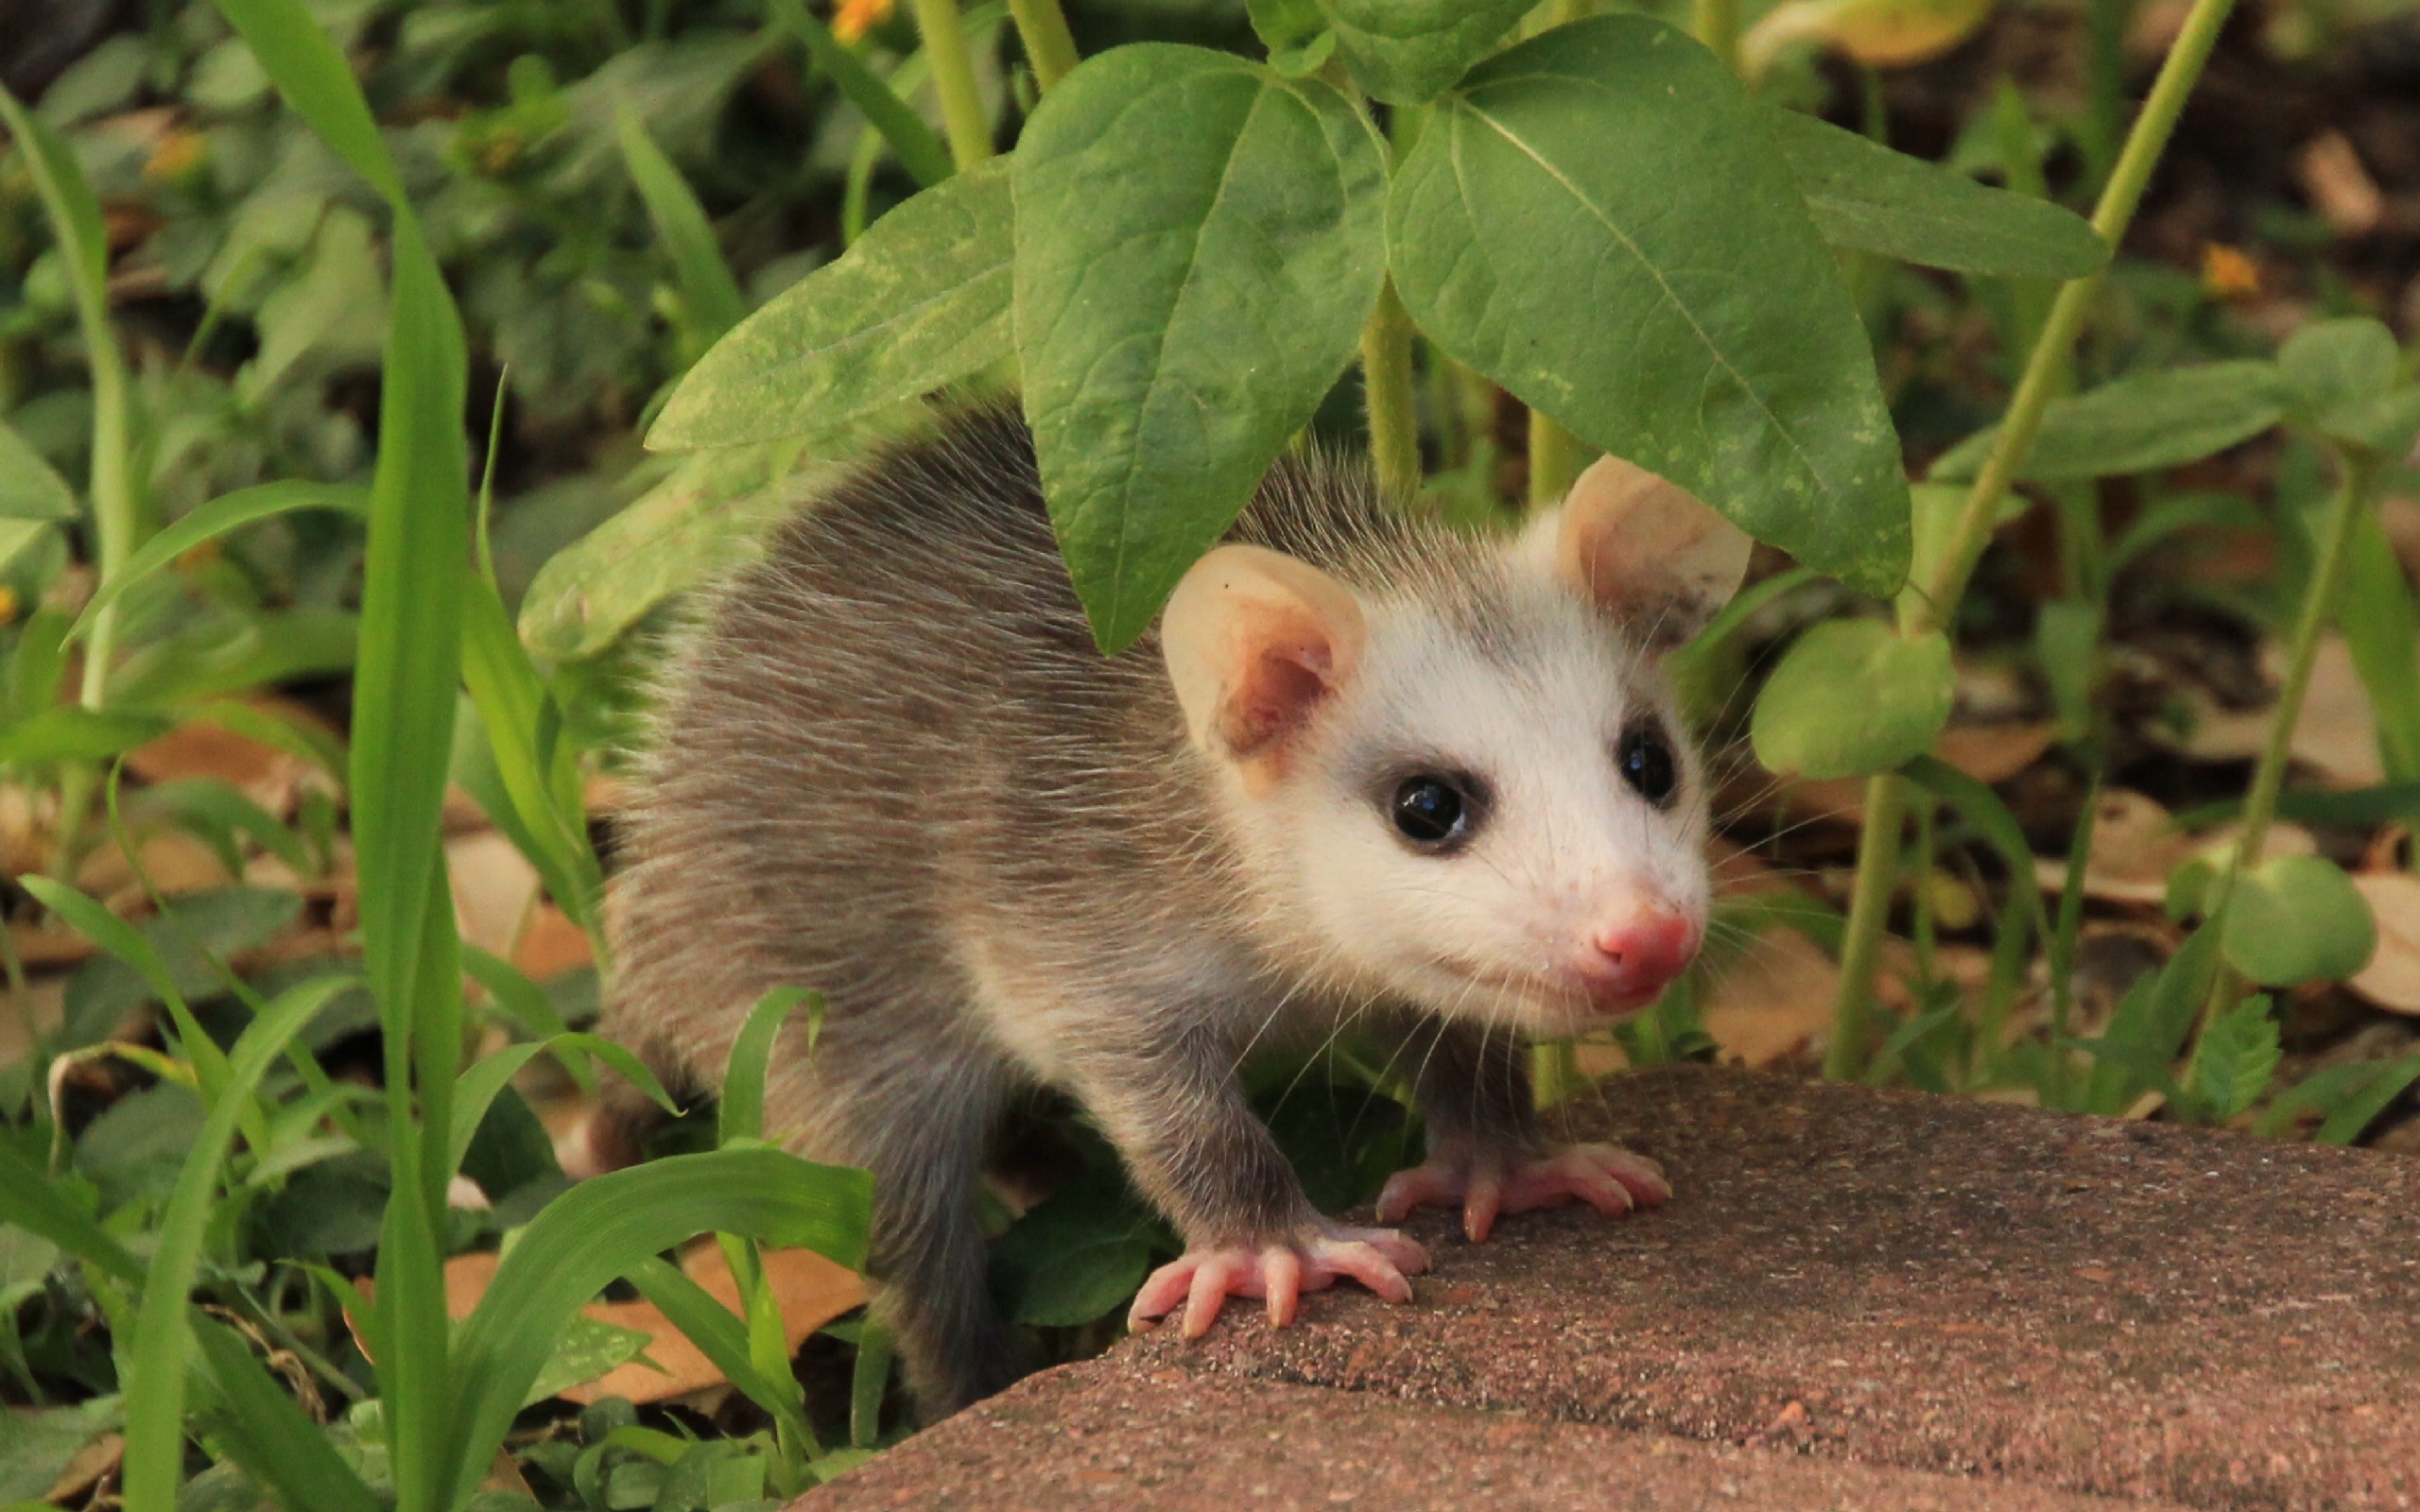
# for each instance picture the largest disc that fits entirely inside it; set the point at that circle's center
(1202, 1280)
(1486, 1184)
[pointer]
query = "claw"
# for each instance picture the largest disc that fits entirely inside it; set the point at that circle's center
(1607, 1178)
(1202, 1280)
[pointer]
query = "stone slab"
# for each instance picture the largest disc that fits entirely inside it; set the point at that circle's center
(1935, 1284)
(1114, 1433)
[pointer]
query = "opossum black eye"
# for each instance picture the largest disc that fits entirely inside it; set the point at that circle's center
(1648, 766)
(1432, 811)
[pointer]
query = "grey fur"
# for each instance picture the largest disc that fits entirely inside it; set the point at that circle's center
(890, 766)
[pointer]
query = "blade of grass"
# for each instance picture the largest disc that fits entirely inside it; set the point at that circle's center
(257, 1424)
(75, 216)
(742, 1110)
(918, 151)
(31, 1200)
(162, 1344)
(478, 1086)
(604, 1227)
(722, 1338)
(709, 294)
(227, 512)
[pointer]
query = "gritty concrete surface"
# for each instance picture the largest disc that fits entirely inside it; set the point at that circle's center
(1933, 1291)
(1108, 1434)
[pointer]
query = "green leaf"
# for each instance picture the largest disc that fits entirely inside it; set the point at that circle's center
(2066, 643)
(29, 489)
(1075, 1256)
(2381, 624)
(231, 511)
(1850, 698)
(1635, 293)
(162, 1343)
(71, 732)
(1176, 332)
(709, 296)
(2385, 424)
(607, 1227)
(2332, 363)
(2234, 1060)
(1295, 32)
(2139, 424)
(920, 301)
(1864, 195)
(2150, 1025)
(2298, 918)
(1405, 51)
(586, 1349)
(705, 519)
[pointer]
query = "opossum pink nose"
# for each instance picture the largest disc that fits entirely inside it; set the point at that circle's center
(1639, 956)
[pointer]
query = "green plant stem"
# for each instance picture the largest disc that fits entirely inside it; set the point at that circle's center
(1554, 460)
(1878, 868)
(944, 34)
(1050, 47)
(1932, 604)
(2359, 472)
(1717, 25)
(1387, 387)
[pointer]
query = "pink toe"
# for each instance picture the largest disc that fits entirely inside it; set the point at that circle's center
(1281, 1275)
(1164, 1288)
(1484, 1200)
(1207, 1298)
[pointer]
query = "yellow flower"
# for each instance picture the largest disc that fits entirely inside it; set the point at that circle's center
(855, 18)
(8, 605)
(2227, 274)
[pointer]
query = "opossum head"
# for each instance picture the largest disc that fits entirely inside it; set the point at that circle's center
(1456, 776)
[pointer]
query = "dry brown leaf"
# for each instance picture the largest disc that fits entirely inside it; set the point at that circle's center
(551, 945)
(2135, 844)
(2339, 186)
(2335, 737)
(812, 1291)
(2401, 518)
(176, 863)
(494, 887)
(91, 1465)
(39, 949)
(1988, 753)
(25, 1017)
(1772, 1002)
(2392, 980)
(270, 776)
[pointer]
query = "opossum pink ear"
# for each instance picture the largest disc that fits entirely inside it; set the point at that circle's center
(1256, 641)
(1643, 550)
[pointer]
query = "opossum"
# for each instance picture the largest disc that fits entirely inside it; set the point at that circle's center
(1369, 770)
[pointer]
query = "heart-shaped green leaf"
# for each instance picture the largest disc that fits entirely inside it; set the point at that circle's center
(2330, 363)
(1407, 51)
(1852, 699)
(2138, 425)
(920, 300)
(2297, 918)
(1598, 220)
(1198, 241)
(1867, 197)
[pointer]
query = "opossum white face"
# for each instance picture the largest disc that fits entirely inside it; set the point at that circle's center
(1472, 791)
